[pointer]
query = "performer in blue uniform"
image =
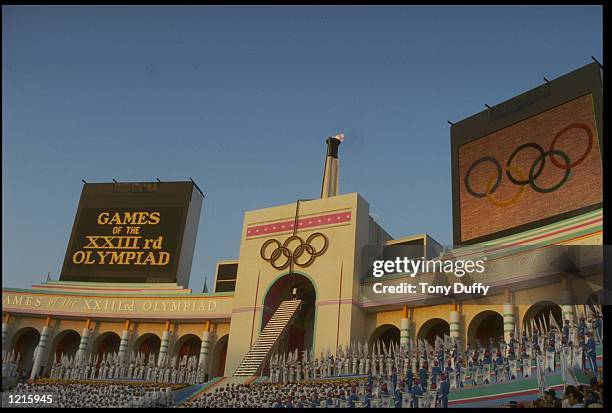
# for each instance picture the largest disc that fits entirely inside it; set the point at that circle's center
(443, 391)
(566, 331)
(599, 328)
(398, 396)
(415, 391)
(423, 372)
(524, 338)
(582, 328)
(589, 349)
(409, 377)
(435, 372)
(458, 367)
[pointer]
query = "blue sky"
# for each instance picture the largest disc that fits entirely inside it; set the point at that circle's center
(242, 98)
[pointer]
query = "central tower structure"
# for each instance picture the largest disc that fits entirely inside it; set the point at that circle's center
(322, 247)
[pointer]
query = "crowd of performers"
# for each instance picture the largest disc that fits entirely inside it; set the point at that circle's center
(84, 395)
(415, 374)
(357, 392)
(111, 366)
(425, 371)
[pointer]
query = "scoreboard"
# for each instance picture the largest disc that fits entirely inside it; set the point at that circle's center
(134, 232)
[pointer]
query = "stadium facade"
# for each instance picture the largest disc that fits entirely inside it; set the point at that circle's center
(320, 252)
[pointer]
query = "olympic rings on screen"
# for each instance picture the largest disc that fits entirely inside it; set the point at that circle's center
(517, 150)
(542, 158)
(517, 177)
(474, 165)
(502, 204)
(286, 255)
(584, 155)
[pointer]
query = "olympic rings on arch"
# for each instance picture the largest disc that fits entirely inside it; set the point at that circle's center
(293, 256)
(275, 255)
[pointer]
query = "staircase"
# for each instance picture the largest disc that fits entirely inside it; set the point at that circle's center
(278, 324)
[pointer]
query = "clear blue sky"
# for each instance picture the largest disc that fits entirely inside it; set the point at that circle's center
(242, 98)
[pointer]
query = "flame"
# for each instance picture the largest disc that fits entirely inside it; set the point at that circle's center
(340, 137)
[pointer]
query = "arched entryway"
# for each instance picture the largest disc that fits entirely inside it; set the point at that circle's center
(219, 356)
(540, 314)
(25, 341)
(64, 343)
(188, 345)
(435, 327)
(595, 299)
(301, 331)
(485, 326)
(147, 344)
(106, 343)
(386, 334)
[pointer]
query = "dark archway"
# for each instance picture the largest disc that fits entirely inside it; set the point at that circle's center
(484, 326)
(219, 356)
(386, 334)
(540, 314)
(65, 343)
(595, 299)
(435, 327)
(26, 340)
(148, 344)
(301, 331)
(106, 343)
(188, 345)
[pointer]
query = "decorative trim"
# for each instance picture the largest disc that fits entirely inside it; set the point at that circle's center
(310, 222)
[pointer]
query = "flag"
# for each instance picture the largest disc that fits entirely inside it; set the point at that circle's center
(554, 322)
(540, 376)
(567, 372)
(447, 341)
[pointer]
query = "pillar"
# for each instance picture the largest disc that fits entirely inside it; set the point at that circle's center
(125, 337)
(41, 350)
(455, 325)
(204, 348)
(567, 302)
(404, 328)
(5, 327)
(163, 348)
(567, 307)
(83, 344)
(508, 310)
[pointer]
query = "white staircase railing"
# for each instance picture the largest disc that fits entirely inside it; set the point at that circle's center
(259, 353)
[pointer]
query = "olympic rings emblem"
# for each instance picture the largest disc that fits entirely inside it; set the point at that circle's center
(518, 177)
(287, 256)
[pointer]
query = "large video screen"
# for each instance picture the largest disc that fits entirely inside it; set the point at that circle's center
(127, 233)
(540, 167)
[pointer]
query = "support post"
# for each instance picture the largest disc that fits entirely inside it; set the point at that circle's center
(41, 351)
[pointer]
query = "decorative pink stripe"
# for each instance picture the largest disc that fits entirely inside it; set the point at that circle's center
(584, 224)
(110, 289)
(332, 302)
(309, 222)
(147, 316)
(245, 309)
